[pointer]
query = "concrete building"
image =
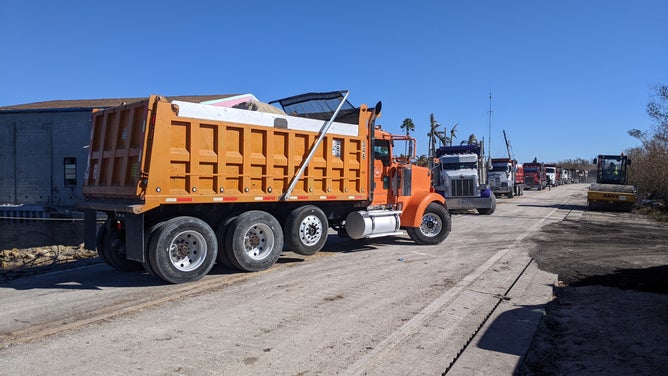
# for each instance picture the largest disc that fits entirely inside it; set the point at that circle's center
(44, 155)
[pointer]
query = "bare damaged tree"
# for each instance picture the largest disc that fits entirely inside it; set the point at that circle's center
(648, 171)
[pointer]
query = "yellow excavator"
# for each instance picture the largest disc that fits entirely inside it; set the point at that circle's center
(610, 192)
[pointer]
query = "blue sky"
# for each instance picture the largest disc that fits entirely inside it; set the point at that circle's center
(568, 78)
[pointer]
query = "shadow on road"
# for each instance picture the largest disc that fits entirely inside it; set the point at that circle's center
(91, 277)
(558, 206)
(512, 330)
(652, 279)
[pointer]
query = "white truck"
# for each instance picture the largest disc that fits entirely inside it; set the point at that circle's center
(461, 177)
(503, 179)
(551, 175)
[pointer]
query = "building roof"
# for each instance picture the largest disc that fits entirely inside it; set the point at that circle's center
(83, 104)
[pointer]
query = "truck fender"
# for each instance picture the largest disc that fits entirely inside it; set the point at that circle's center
(414, 208)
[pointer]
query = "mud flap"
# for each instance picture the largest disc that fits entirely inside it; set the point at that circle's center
(90, 229)
(134, 237)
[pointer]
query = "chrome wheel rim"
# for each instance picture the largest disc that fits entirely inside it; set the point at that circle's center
(187, 251)
(259, 241)
(310, 230)
(431, 225)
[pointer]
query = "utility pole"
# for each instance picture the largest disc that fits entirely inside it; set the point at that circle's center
(489, 140)
(508, 147)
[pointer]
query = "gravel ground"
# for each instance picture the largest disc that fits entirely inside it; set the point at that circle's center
(609, 313)
(608, 316)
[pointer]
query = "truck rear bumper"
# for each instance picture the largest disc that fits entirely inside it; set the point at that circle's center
(110, 206)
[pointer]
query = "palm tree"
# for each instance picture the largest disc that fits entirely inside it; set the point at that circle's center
(422, 161)
(408, 126)
(452, 133)
(433, 134)
(473, 140)
(443, 138)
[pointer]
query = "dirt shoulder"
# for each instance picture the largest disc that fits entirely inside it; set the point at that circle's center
(31, 247)
(609, 313)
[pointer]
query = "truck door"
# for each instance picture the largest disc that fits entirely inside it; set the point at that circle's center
(383, 172)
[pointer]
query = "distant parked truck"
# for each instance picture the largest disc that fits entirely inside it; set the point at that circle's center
(519, 179)
(552, 174)
(565, 176)
(184, 185)
(462, 178)
(534, 175)
(503, 178)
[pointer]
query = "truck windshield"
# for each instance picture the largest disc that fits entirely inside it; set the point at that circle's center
(612, 170)
(530, 169)
(459, 166)
(500, 167)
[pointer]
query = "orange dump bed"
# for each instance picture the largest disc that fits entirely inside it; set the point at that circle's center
(157, 152)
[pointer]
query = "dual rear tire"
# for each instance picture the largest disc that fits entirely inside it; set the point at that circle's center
(182, 249)
(254, 240)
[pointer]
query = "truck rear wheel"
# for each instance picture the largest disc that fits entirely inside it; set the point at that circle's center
(149, 237)
(221, 232)
(434, 228)
(305, 230)
(254, 241)
(184, 249)
(113, 250)
(99, 243)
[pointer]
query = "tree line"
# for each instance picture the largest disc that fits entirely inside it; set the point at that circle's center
(648, 171)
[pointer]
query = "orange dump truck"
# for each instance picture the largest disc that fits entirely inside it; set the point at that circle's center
(185, 185)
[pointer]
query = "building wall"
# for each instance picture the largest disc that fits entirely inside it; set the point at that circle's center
(34, 146)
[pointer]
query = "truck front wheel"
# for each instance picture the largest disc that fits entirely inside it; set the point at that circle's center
(434, 228)
(306, 230)
(184, 249)
(254, 241)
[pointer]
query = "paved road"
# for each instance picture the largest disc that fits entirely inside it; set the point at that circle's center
(377, 307)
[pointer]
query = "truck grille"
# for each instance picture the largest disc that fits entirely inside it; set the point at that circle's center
(462, 187)
(494, 181)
